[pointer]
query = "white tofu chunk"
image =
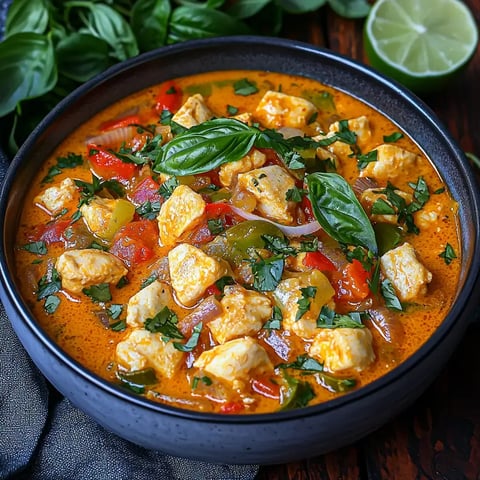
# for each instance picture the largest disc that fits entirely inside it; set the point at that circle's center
(244, 313)
(142, 349)
(236, 361)
(343, 348)
(228, 171)
(148, 302)
(288, 293)
(370, 196)
(193, 112)
(278, 109)
(181, 212)
(57, 197)
(408, 276)
(269, 185)
(79, 269)
(192, 271)
(360, 126)
(392, 162)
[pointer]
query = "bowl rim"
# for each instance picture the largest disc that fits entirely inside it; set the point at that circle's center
(293, 47)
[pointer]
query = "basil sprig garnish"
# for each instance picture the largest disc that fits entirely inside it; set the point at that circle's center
(338, 211)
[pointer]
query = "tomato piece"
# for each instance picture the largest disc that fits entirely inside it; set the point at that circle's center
(266, 388)
(169, 97)
(319, 261)
(108, 165)
(201, 235)
(134, 242)
(145, 191)
(232, 407)
(120, 122)
(216, 209)
(272, 157)
(50, 233)
(213, 290)
(353, 285)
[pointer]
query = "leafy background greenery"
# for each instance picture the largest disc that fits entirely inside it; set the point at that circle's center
(52, 46)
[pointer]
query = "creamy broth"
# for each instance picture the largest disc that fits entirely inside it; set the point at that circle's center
(293, 345)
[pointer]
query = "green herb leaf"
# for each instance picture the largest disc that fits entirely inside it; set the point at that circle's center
(298, 394)
(27, 16)
(448, 254)
(222, 282)
(149, 22)
(278, 245)
(118, 326)
(245, 87)
(98, 293)
(49, 284)
(350, 8)
(115, 310)
(364, 160)
(267, 273)
(148, 210)
(382, 207)
(275, 321)
(70, 161)
(231, 110)
(164, 322)
(192, 341)
(328, 318)
(295, 194)
(39, 248)
(304, 301)
(215, 225)
(338, 211)
(51, 304)
(304, 363)
(390, 297)
(393, 137)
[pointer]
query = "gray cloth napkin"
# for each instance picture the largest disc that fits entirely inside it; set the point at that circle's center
(44, 437)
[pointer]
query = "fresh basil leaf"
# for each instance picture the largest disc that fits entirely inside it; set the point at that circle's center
(350, 8)
(51, 304)
(388, 236)
(27, 69)
(245, 87)
(364, 160)
(187, 23)
(205, 380)
(138, 379)
(267, 273)
(300, 6)
(167, 187)
(81, 56)
(421, 195)
(246, 8)
(295, 194)
(205, 147)
(338, 211)
(275, 321)
(192, 341)
(448, 254)
(381, 207)
(149, 210)
(165, 322)
(390, 297)
(39, 248)
(26, 16)
(393, 137)
(106, 23)
(149, 23)
(98, 293)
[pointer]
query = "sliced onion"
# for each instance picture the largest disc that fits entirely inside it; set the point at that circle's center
(114, 137)
(208, 310)
(291, 231)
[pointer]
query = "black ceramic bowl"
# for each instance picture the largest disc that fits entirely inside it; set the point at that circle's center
(267, 438)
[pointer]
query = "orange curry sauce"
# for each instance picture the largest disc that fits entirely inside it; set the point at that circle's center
(82, 326)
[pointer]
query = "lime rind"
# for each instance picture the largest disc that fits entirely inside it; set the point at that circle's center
(420, 41)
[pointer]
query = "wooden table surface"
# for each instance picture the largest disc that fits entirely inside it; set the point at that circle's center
(439, 436)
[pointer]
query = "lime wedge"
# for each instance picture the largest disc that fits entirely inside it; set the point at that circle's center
(421, 43)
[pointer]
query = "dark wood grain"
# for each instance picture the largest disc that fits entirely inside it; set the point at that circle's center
(438, 437)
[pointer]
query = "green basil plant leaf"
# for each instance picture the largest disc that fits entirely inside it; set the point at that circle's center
(300, 6)
(350, 8)
(26, 16)
(149, 23)
(197, 22)
(81, 56)
(246, 8)
(27, 69)
(338, 211)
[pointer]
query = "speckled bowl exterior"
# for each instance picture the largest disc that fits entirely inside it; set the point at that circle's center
(268, 438)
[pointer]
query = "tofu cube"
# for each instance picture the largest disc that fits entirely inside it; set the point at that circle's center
(142, 349)
(192, 271)
(360, 126)
(235, 362)
(408, 276)
(229, 171)
(57, 197)
(244, 313)
(288, 293)
(79, 269)
(343, 348)
(193, 112)
(181, 212)
(277, 110)
(269, 186)
(148, 302)
(392, 162)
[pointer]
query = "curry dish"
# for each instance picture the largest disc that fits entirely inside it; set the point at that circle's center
(239, 242)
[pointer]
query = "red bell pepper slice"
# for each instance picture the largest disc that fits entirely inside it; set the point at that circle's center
(145, 191)
(50, 232)
(266, 388)
(353, 285)
(108, 165)
(120, 122)
(319, 261)
(232, 407)
(168, 98)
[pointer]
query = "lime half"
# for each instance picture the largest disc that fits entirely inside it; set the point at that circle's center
(420, 43)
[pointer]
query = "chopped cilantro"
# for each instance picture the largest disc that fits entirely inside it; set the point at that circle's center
(448, 254)
(295, 194)
(115, 310)
(51, 303)
(267, 273)
(327, 318)
(245, 87)
(39, 248)
(49, 284)
(393, 137)
(390, 297)
(98, 293)
(278, 245)
(165, 322)
(215, 225)
(275, 321)
(192, 342)
(167, 187)
(148, 210)
(232, 110)
(304, 301)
